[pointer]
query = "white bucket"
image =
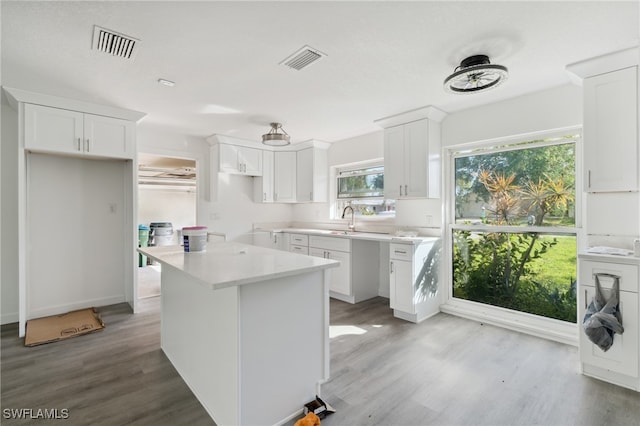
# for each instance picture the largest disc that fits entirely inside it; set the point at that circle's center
(195, 238)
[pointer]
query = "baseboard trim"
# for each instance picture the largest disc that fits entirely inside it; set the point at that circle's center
(608, 376)
(348, 299)
(9, 318)
(61, 309)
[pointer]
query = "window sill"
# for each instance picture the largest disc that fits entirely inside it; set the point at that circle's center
(546, 328)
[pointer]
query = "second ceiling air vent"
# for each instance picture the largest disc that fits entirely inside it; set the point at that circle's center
(302, 58)
(114, 43)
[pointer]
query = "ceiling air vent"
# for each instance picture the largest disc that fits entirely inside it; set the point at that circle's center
(302, 58)
(114, 43)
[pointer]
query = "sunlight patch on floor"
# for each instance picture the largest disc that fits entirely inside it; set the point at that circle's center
(341, 330)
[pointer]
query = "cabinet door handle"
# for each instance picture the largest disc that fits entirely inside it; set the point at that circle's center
(400, 251)
(264, 196)
(401, 190)
(79, 149)
(311, 196)
(88, 145)
(589, 179)
(391, 267)
(405, 190)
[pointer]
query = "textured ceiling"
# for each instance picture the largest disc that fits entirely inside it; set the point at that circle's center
(383, 58)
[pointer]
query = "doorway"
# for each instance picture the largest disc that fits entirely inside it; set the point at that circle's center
(167, 194)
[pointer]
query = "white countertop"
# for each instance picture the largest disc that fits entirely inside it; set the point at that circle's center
(630, 259)
(228, 264)
(355, 235)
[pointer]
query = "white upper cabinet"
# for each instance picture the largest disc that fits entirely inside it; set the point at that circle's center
(263, 185)
(108, 137)
(610, 122)
(284, 177)
(393, 162)
(240, 160)
(311, 175)
(297, 173)
(412, 154)
(412, 160)
(611, 132)
(56, 130)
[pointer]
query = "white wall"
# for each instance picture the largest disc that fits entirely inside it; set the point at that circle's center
(9, 220)
(348, 151)
(607, 219)
(77, 232)
(175, 206)
(368, 147)
(545, 110)
(233, 212)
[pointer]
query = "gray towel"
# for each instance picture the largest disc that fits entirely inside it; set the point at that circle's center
(602, 318)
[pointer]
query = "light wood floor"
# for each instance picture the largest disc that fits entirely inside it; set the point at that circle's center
(452, 371)
(385, 371)
(149, 281)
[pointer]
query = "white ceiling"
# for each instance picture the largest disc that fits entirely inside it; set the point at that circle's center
(384, 57)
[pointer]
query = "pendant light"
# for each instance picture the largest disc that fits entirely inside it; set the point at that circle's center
(276, 138)
(475, 73)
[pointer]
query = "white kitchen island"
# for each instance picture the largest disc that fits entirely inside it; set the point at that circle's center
(246, 327)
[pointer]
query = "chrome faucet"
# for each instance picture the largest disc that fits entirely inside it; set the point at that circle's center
(352, 225)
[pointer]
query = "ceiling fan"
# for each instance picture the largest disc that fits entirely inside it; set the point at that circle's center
(474, 74)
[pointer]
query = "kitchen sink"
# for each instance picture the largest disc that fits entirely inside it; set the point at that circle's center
(341, 232)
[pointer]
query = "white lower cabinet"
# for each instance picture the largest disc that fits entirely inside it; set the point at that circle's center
(407, 299)
(354, 280)
(299, 249)
(340, 281)
(299, 243)
(269, 239)
(620, 364)
(401, 286)
(336, 249)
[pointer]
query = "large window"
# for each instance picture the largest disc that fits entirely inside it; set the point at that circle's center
(363, 189)
(514, 239)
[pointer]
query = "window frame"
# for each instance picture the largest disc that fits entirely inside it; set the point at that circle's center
(335, 201)
(549, 328)
(354, 171)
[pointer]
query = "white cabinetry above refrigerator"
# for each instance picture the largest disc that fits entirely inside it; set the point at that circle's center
(61, 131)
